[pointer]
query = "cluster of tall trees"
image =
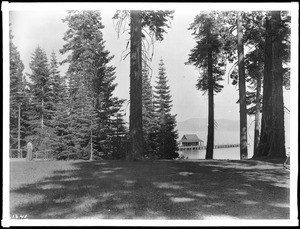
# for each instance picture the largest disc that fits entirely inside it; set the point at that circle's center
(17, 97)
(159, 137)
(159, 125)
(221, 37)
(76, 115)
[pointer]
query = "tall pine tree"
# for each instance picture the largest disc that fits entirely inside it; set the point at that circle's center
(149, 117)
(207, 55)
(254, 73)
(254, 34)
(41, 104)
(167, 134)
(91, 85)
(60, 117)
(258, 36)
(273, 136)
(18, 100)
(153, 22)
(276, 75)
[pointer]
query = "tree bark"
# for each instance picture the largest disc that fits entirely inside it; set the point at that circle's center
(91, 138)
(272, 143)
(19, 132)
(42, 118)
(266, 120)
(242, 90)
(277, 148)
(210, 135)
(257, 124)
(135, 119)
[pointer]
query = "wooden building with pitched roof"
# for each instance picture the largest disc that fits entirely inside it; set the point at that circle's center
(191, 140)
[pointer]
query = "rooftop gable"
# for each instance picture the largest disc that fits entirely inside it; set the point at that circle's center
(190, 138)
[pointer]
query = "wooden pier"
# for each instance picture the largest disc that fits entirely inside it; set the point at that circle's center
(184, 148)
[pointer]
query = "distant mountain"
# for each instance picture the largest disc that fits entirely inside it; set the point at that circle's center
(229, 125)
(200, 124)
(193, 124)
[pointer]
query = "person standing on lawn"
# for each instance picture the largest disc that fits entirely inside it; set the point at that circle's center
(29, 155)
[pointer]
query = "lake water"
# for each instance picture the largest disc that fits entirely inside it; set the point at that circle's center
(221, 137)
(228, 153)
(224, 137)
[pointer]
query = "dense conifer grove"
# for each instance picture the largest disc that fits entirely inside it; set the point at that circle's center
(75, 115)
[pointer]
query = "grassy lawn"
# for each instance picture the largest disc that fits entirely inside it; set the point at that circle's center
(149, 190)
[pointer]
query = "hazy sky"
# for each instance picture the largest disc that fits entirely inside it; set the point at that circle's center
(46, 29)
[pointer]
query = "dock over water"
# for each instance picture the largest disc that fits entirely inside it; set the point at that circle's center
(184, 148)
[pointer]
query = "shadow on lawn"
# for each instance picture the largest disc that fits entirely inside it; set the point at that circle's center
(159, 190)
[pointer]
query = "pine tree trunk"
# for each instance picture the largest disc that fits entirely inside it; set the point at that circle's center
(42, 121)
(257, 115)
(210, 135)
(19, 133)
(135, 119)
(91, 139)
(242, 90)
(266, 120)
(277, 149)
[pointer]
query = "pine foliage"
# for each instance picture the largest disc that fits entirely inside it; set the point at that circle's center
(91, 86)
(17, 95)
(41, 105)
(150, 121)
(166, 133)
(208, 56)
(206, 29)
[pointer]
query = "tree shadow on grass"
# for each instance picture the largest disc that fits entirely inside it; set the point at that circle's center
(158, 190)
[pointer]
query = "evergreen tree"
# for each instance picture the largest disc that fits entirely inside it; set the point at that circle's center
(62, 142)
(167, 135)
(154, 22)
(90, 85)
(242, 88)
(18, 100)
(258, 64)
(254, 73)
(149, 118)
(60, 118)
(119, 134)
(85, 125)
(208, 56)
(272, 142)
(79, 122)
(285, 51)
(254, 34)
(255, 37)
(41, 104)
(135, 118)
(57, 82)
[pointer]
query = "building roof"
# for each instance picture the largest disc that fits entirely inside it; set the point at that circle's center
(190, 138)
